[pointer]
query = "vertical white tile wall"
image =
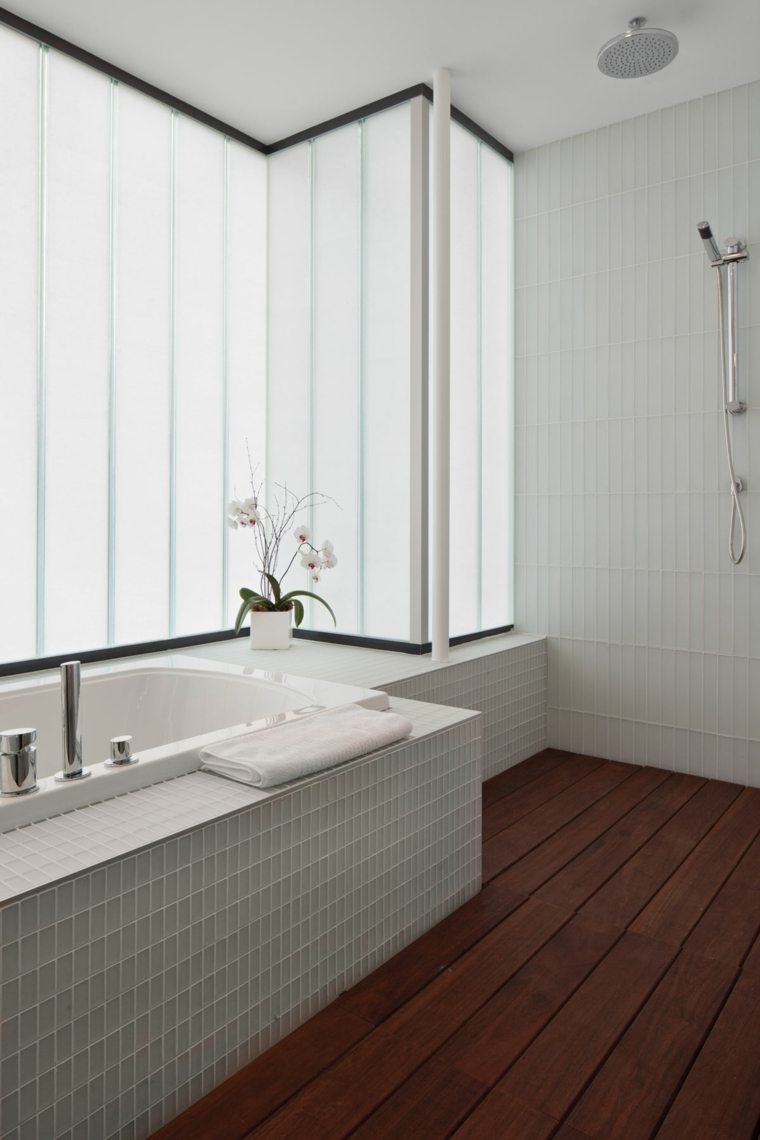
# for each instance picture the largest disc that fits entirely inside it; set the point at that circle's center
(622, 504)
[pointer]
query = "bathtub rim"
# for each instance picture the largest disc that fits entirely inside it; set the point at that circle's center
(176, 758)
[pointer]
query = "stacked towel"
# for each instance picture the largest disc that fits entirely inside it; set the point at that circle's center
(302, 747)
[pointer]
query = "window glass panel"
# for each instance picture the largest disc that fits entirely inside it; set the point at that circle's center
(142, 373)
(496, 371)
(77, 356)
(198, 356)
(289, 395)
(465, 384)
(288, 457)
(246, 350)
(337, 368)
(19, 110)
(387, 351)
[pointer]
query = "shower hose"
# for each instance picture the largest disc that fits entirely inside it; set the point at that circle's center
(737, 514)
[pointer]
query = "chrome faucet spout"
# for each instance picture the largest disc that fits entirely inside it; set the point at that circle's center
(72, 740)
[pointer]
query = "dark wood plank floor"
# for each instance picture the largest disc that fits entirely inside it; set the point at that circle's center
(604, 985)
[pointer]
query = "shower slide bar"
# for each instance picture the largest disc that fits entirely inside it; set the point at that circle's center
(736, 252)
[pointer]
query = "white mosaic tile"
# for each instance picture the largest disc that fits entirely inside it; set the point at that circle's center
(508, 688)
(130, 990)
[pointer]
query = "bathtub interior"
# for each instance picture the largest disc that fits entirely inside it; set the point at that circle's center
(155, 706)
(171, 706)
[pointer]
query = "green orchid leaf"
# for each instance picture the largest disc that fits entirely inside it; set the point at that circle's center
(252, 602)
(308, 594)
(275, 587)
(298, 611)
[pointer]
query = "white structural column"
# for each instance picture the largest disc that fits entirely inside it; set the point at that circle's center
(440, 301)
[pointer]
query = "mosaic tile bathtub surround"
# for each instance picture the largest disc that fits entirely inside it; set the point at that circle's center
(508, 688)
(131, 990)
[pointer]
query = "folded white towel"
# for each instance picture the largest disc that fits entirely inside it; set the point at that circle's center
(302, 747)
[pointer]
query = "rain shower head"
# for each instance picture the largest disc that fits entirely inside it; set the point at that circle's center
(637, 51)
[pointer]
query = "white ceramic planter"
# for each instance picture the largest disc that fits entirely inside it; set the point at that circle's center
(270, 630)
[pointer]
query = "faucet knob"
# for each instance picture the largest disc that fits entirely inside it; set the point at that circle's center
(14, 739)
(18, 761)
(121, 752)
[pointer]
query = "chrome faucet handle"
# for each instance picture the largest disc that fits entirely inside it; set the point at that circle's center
(18, 761)
(72, 740)
(121, 752)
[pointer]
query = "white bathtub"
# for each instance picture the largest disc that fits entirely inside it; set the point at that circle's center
(171, 705)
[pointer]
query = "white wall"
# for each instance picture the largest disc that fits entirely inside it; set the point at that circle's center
(622, 504)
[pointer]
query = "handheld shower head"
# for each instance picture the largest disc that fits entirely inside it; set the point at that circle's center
(711, 248)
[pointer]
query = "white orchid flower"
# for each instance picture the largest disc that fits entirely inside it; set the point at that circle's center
(302, 534)
(310, 562)
(327, 547)
(329, 561)
(315, 577)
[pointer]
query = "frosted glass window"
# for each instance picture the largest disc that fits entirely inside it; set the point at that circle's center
(76, 356)
(20, 62)
(339, 359)
(337, 380)
(142, 367)
(173, 302)
(466, 415)
(290, 319)
(481, 386)
(496, 387)
(199, 161)
(245, 341)
(386, 438)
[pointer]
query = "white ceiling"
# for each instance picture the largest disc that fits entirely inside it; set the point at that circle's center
(524, 69)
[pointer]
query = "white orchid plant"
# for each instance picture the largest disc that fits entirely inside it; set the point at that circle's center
(269, 529)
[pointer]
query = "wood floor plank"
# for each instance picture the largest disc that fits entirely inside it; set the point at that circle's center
(592, 867)
(623, 895)
(567, 844)
(679, 904)
(510, 808)
(632, 1090)
(432, 1103)
(506, 847)
(567, 1132)
(731, 923)
(720, 1098)
(513, 778)
(398, 979)
(345, 1094)
(552, 1072)
(487, 1044)
(251, 1095)
(752, 961)
(503, 1117)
